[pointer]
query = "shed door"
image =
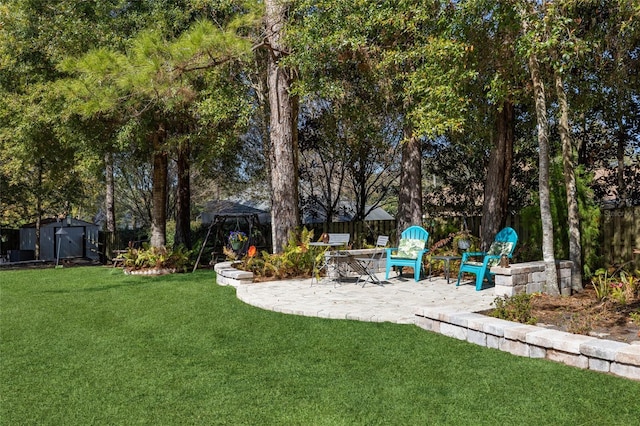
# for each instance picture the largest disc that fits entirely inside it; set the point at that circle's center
(71, 245)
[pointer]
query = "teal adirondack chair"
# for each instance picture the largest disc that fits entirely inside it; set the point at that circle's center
(503, 244)
(411, 248)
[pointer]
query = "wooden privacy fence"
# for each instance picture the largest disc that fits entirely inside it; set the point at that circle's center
(619, 235)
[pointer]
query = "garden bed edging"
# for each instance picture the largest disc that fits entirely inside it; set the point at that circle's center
(586, 352)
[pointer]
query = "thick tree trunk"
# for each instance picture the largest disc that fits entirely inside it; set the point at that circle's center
(38, 233)
(410, 196)
(38, 212)
(496, 190)
(183, 198)
(159, 209)
(568, 161)
(620, 156)
(283, 132)
(551, 285)
(262, 94)
(109, 205)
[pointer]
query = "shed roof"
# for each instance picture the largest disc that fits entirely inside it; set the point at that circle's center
(52, 220)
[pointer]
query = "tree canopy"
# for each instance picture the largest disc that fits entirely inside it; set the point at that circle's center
(427, 107)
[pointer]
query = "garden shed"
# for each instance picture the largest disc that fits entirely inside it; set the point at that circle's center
(59, 239)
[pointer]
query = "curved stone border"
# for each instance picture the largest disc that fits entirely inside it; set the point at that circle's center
(530, 341)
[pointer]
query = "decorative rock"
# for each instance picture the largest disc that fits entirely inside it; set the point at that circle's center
(154, 271)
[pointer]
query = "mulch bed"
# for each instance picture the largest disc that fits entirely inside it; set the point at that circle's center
(582, 313)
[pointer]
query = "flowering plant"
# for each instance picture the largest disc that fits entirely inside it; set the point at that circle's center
(237, 237)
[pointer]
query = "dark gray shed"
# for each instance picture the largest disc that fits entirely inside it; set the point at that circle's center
(77, 239)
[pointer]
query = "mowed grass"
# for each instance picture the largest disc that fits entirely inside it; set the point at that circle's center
(87, 346)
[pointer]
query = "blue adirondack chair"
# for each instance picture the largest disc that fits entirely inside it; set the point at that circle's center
(411, 248)
(503, 244)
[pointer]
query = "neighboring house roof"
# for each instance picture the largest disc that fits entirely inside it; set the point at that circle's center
(378, 214)
(345, 213)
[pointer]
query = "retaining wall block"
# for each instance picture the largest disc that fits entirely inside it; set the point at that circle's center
(515, 347)
(629, 355)
(535, 287)
(504, 291)
(428, 324)
(503, 280)
(477, 337)
(538, 276)
(520, 331)
(494, 342)
(624, 370)
(521, 279)
(545, 338)
(602, 349)
(574, 360)
(462, 318)
(564, 273)
(497, 326)
(571, 343)
(447, 315)
(432, 313)
(537, 351)
(601, 365)
(454, 331)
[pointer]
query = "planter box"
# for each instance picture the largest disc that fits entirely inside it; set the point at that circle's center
(529, 277)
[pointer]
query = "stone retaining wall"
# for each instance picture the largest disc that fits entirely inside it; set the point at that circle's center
(529, 277)
(228, 275)
(580, 351)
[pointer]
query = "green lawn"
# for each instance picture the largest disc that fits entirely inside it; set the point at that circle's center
(83, 346)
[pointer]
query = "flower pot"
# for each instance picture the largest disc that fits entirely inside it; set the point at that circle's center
(236, 245)
(464, 244)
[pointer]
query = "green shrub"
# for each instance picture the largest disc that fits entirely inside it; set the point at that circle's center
(148, 257)
(515, 308)
(622, 289)
(297, 259)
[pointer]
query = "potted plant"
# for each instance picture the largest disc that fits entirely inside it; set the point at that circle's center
(237, 239)
(462, 240)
